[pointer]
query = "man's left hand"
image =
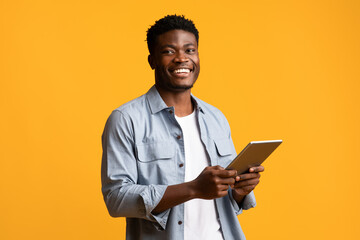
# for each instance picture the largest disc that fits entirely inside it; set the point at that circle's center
(246, 182)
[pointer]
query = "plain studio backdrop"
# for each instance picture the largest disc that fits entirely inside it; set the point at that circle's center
(277, 70)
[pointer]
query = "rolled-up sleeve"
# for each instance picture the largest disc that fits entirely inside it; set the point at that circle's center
(122, 195)
(247, 203)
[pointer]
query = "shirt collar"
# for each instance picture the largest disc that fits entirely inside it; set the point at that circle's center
(197, 104)
(157, 104)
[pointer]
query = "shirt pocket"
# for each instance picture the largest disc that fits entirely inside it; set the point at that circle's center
(225, 151)
(155, 151)
(156, 162)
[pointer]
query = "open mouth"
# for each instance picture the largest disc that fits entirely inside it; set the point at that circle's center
(182, 70)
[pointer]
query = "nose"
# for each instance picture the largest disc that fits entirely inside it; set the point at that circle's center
(180, 57)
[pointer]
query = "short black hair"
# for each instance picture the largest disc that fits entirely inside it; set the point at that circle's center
(168, 23)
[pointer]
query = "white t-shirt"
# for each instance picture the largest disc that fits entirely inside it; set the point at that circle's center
(200, 220)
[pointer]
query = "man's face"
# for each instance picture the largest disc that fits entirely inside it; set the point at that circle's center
(175, 60)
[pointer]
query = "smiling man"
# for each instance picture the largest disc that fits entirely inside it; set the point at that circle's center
(164, 153)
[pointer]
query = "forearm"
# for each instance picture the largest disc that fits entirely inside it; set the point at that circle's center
(175, 195)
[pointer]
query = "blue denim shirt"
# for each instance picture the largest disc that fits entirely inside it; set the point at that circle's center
(143, 150)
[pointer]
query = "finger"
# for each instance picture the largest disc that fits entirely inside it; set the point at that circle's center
(224, 187)
(223, 181)
(249, 188)
(246, 183)
(246, 176)
(217, 167)
(246, 189)
(257, 169)
(226, 181)
(223, 193)
(253, 181)
(227, 173)
(222, 190)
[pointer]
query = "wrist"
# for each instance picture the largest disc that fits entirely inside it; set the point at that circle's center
(192, 189)
(238, 197)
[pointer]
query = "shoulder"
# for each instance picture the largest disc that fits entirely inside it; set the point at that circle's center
(125, 115)
(130, 108)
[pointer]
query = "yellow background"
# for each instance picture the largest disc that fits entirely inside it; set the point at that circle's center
(277, 69)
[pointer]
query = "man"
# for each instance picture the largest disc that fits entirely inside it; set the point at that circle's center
(164, 153)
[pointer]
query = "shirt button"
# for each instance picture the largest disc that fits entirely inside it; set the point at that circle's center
(179, 222)
(181, 165)
(178, 136)
(171, 112)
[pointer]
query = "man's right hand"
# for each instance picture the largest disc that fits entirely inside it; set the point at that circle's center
(213, 182)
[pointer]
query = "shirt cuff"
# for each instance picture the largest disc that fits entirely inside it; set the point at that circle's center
(151, 199)
(247, 203)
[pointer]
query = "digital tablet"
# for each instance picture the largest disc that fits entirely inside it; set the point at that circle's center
(254, 154)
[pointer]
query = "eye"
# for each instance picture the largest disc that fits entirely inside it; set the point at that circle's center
(167, 51)
(190, 50)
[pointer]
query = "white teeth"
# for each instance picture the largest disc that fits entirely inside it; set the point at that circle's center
(182, 70)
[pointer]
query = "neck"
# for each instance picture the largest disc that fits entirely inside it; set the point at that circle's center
(181, 101)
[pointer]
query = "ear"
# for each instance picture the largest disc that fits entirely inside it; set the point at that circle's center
(151, 62)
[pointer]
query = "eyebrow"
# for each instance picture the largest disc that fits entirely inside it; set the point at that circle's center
(189, 44)
(172, 46)
(168, 45)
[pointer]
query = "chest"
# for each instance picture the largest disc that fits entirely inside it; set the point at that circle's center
(162, 148)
